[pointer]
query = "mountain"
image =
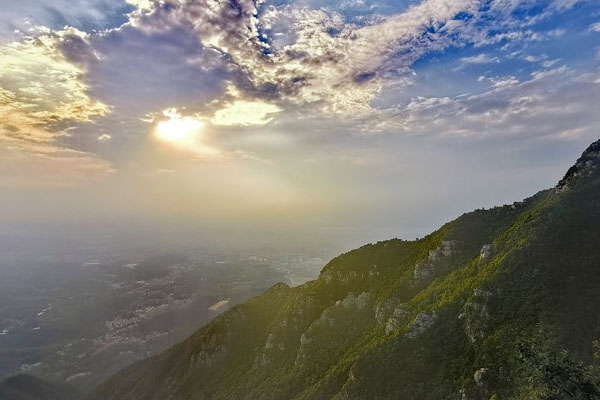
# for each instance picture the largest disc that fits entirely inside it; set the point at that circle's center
(501, 303)
(27, 387)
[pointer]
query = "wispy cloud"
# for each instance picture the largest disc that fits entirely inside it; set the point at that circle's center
(245, 113)
(41, 94)
(532, 108)
(86, 15)
(480, 59)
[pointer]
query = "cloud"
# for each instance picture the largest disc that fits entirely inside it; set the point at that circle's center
(595, 27)
(41, 89)
(245, 113)
(500, 81)
(549, 63)
(480, 59)
(86, 15)
(299, 58)
(46, 166)
(164, 171)
(565, 4)
(197, 134)
(344, 72)
(140, 71)
(548, 104)
(282, 59)
(286, 63)
(141, 4)
(556, 33)
(572, 133)
(41, 95)
(534, 59)
(294, 56)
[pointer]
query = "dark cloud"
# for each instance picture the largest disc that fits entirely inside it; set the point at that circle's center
(144, 71)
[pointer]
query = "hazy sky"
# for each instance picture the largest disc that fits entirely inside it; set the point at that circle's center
(377, 117)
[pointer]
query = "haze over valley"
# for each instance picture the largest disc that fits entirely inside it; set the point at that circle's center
(299, 199)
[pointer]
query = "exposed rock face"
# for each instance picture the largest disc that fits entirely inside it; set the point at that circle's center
(214, 347)
(398, 318)
(384, 310)
(479, 376)
(423, 271)
(392, 313)
(486, 253)
(445, 249)
(427, 268)
(272, 347)
(587, 165)
(339, 276)
(261, 360)
(422, 322)
(346, 315)
(209, 356)
(475, 315)
(373, 271)
(480, 391)
(277, 341)
(269, 343)
(360, 302)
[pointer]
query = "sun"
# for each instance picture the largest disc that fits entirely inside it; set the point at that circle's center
(183, 133)
(179, 131)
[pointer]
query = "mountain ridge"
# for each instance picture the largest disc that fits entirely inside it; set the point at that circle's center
(498, 303)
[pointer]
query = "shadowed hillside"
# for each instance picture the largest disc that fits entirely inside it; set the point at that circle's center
(27, 387)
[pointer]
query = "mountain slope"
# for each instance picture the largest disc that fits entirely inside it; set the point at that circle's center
(498, 304)
(27, 387)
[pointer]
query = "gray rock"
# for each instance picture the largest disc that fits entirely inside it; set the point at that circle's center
(383, 310)
(475, 315)
(422, 271)
(479, 376)
(422, 322)
(486, 252)
(426, 269)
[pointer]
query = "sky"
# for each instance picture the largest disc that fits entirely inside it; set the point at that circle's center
(307, 119)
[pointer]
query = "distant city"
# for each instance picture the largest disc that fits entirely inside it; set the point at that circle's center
(78, 320)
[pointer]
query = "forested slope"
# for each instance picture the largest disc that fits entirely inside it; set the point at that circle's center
(498, 304)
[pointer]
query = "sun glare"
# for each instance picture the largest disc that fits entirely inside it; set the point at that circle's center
(182, 133)
(179, 131)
